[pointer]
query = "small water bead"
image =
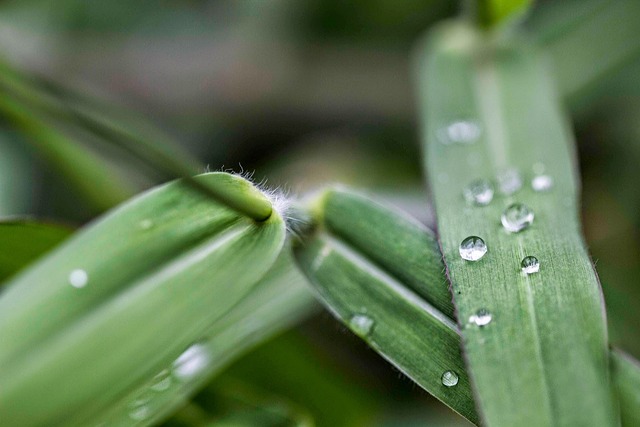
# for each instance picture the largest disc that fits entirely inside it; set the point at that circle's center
(530, 265)
(481, 318)
(517, 217)
(191, 363)
(139, 409)
(479, 192)
(78, 278)
(509, 182)
(146, 224)
(541, 183)
(450, 379)
(472, 248)
(460, 132)
(361, 325)
(162, 381)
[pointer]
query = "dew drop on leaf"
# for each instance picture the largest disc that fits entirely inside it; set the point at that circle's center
(146, 224)
(541, 183)
(450, 379)
(509, 182)
(191, 363)
(361, 325)
(139, 409)
(459, 132)
(517, 217)
(481, 318)
(479, 192)
(472, 248)
(530, 265)
(161, 381)
(78, 278)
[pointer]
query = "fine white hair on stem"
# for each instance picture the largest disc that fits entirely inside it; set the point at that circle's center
(282, 202)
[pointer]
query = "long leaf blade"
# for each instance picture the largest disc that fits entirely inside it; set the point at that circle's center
(373, 302)
(547, 342)
(124, 298)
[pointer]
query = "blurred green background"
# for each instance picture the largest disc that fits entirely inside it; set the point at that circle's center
(304, 93)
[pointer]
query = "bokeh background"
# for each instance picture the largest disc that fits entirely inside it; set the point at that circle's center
(302, 93)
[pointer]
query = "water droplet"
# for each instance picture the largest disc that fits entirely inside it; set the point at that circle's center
(509, 182)
(517, 217)
(443, 177)
(162, 381)
(139, 409)
(361, 325)
(78, 278)
(450, 379)
(481, 318)
(479, 192)
(460, 132)
(146, 224)
(472, 248)
(541, 183)
(530, 265)
(192, 362)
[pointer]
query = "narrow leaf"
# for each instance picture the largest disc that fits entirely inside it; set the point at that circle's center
(626, 377)
(587, 41)
(278, 301)
(96, 180)
(492, 13)
(125, 298)
(546, 342)
(625, 371)
(373, 302)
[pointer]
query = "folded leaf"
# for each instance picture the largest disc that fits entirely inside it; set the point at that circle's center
(126, 297)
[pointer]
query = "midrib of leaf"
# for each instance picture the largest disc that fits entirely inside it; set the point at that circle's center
(548, 336)
(374, 270)
(491, 110)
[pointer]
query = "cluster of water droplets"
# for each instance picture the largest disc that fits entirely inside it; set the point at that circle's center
(516, 218)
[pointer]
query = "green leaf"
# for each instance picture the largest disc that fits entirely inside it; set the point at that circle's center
(95, 179)
(626, 377)
(24, 240)
(124, 298)
(587, 41)
(496, 13)
(547, 342)
(279, 300)
(343, 209)
(33, 109)
(376, 301)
